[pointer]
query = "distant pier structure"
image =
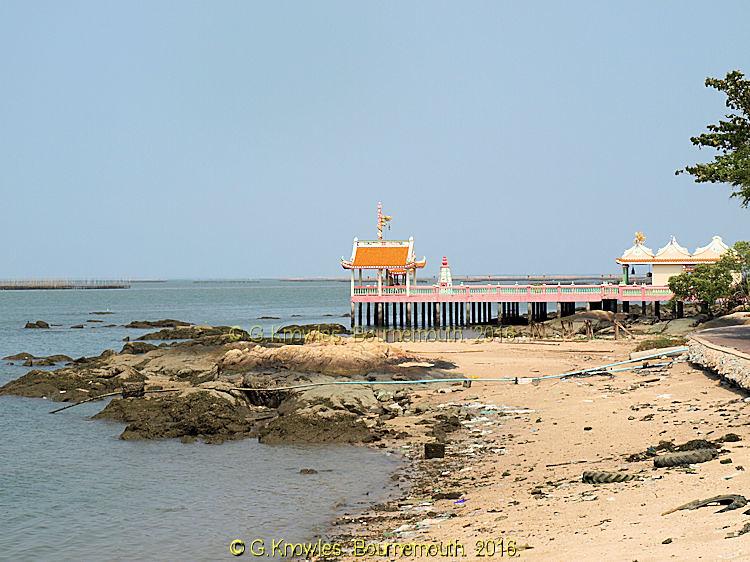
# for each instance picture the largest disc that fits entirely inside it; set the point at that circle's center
(384, 290)
(47, 284)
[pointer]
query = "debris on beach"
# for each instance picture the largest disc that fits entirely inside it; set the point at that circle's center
(601, 477)
(730, 501)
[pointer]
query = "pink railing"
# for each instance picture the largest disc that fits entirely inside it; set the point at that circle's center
(513, 293)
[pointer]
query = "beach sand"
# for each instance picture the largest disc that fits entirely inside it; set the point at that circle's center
(502, 463)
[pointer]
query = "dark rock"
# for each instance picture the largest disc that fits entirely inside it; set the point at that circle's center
(269, 318)
(302, 330)
(66, 384)
(167, 323)
(19, 356)
(137, 348)
(196, 332)
(101, 312)
(199, 414)
(434, 450)
(305, 427)
(133, 390)
(77, 327)
(308, 471)
(37, 325)
(46, 361)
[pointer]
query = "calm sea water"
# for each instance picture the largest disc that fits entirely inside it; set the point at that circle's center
(71, 490)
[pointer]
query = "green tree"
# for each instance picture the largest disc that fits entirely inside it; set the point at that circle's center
(738, 261)
(730, 137)
(706, 284)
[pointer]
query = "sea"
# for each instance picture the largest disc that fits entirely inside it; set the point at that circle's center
(70, 489)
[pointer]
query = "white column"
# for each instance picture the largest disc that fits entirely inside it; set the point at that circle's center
(408, 285)
(352, 286)
(380, 282)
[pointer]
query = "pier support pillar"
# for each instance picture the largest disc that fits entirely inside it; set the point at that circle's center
(401, 313)
(473, 313)
(408, 315)
(467, 312)
(450, 314)
(352, 315)
(626, 306)
(395, 315)
(437, 315)
(657, 309)
(368, 315)
(359, 314)
(424, 316)
(680, 309)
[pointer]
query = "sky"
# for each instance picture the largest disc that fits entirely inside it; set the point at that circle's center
(236, 139)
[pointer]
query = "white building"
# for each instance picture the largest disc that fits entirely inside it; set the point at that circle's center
(670, 260)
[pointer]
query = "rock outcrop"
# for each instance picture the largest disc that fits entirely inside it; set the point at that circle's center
(351, 358)
(210, 415)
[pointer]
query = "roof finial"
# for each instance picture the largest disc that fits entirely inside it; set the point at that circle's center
(640, 238)
(382, 220)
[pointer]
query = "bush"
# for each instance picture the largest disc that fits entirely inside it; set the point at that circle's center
(661, 341)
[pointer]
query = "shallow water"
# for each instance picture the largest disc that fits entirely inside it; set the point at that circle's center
(71, 490)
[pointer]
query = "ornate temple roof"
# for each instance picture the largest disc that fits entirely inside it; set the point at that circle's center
(394, 255)
(673, 253)
(636, 253)
(711, 251)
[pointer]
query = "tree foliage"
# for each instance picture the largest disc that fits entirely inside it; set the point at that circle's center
(706, 284)
(730, 137)
(709, 283)
(738, 261)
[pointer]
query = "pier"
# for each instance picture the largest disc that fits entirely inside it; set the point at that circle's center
(465, 305)
(393, 297)
(55, 284)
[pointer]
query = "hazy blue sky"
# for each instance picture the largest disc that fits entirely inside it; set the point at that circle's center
(247, 139)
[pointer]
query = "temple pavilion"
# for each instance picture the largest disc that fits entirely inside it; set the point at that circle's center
(670, 260)
(393, 261)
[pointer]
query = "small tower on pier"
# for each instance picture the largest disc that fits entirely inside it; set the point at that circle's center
(445, 279)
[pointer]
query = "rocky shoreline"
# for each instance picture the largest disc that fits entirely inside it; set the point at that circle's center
(217, 383)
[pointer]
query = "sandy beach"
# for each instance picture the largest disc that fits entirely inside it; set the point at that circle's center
(513, 472)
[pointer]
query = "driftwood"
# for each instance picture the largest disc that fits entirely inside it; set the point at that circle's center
(730, 501)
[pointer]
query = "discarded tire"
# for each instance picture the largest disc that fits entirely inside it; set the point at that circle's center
(684, 458)
(596, 477)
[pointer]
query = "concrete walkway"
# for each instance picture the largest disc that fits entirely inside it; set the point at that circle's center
(733, 337)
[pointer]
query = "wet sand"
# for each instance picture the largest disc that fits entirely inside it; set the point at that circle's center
(518, 472)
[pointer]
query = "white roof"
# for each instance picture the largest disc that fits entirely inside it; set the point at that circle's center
(711, 251)
(673, 252)
(637, 252)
